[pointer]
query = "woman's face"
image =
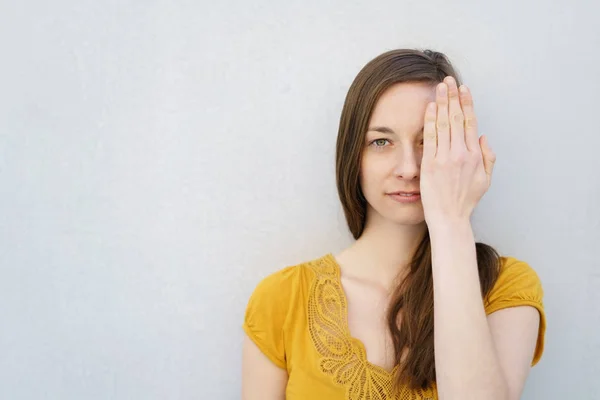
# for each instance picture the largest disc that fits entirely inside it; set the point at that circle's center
(393, 149)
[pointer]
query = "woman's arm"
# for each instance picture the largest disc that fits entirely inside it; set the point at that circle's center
(472, 356)
(261, 379)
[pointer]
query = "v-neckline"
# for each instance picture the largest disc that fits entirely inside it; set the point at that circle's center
(346, 326)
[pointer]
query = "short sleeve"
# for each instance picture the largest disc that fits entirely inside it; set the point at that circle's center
(519, 285)
(266, 314)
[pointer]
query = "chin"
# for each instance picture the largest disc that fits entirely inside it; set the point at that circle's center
(412, 216)
(410, 220)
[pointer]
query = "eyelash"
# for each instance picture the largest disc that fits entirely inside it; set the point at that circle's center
(376, 140)
(379, 147)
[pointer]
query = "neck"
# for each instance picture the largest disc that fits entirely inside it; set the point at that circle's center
(383, 251)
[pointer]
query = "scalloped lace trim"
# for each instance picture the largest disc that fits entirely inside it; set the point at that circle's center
(342, 359)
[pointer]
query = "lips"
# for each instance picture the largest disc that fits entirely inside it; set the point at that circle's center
(406, 193)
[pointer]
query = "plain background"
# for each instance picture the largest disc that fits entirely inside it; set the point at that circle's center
(158, 158)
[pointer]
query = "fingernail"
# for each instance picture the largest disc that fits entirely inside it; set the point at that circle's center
(463, 89)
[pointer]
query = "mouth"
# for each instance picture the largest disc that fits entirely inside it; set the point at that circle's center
(405, 197)
(408, 194)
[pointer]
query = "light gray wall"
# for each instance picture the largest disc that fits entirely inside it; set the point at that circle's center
(157, 158)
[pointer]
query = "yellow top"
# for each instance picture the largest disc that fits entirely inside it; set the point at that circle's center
(297, 316)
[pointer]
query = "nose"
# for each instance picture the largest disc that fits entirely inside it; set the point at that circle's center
(408, 164)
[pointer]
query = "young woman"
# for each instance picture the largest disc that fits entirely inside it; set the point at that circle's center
(414, 308)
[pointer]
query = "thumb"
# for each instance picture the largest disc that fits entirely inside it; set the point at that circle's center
(489, 157)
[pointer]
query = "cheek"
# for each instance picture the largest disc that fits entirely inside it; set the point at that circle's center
(370, 174)
(379, 164)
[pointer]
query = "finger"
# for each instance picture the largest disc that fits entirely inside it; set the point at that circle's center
(442, 125)
(471, 136)
(456, 118)
(489, 157)
(429, 132)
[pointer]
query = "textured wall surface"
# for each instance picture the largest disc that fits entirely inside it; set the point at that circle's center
(157, 158)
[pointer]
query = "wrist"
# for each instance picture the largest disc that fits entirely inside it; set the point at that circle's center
(450, 227)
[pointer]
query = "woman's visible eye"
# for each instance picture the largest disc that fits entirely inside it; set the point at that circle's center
(379, 141)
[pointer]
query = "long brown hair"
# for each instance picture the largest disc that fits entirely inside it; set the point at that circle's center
(413, 297)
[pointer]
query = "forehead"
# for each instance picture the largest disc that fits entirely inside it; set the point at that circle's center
(402, 106)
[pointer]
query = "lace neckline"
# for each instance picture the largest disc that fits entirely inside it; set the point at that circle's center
(345, 326)
(343, 357)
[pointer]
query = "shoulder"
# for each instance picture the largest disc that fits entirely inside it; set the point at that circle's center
(275, 301)
(283, 283)
(287, 281)
(281, 291)
(517, 281)
(518, 285)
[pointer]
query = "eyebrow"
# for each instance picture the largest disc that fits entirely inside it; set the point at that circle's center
(386, 130)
